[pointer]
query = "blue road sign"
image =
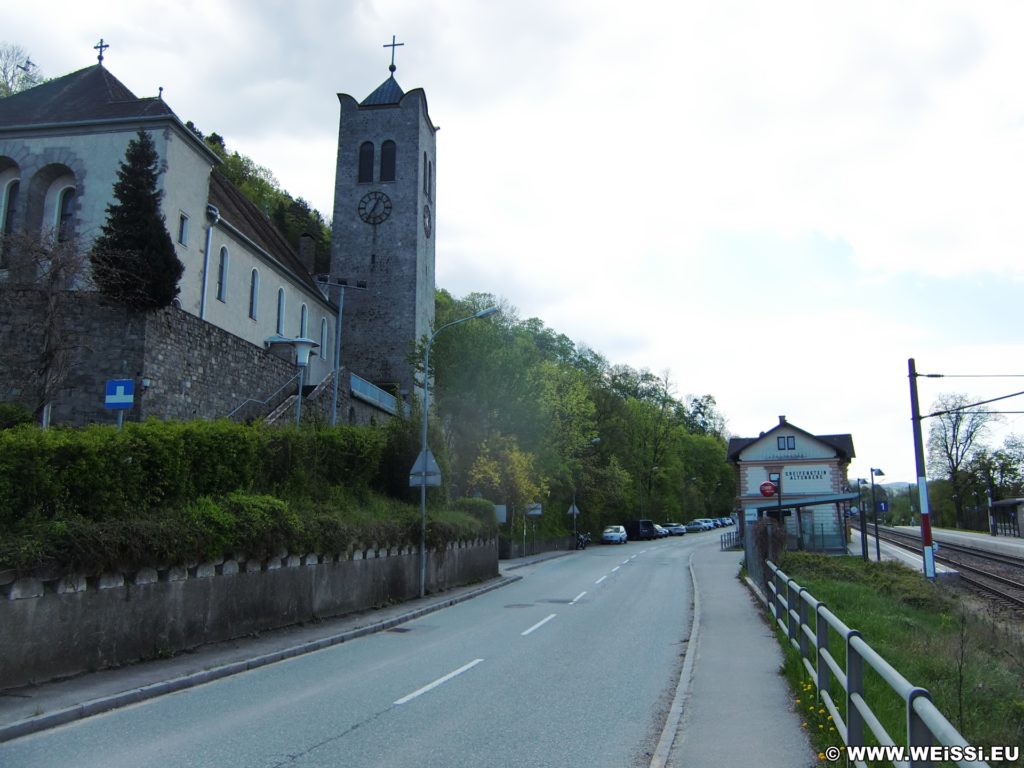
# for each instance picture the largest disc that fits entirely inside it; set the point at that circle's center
(120, 394)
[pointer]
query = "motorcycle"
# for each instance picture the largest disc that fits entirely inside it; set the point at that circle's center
(582, 539)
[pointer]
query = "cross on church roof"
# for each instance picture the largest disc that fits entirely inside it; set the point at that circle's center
(392, 45)
(101, 47)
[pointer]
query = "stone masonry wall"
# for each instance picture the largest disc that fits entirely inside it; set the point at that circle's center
(194, 369)
(66, 626)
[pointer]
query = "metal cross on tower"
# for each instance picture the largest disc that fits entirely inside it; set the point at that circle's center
(101, 47)
(392, 45)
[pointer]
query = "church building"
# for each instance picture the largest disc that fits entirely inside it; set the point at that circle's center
(245, 292)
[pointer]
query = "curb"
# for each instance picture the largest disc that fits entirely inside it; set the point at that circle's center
(124, 698)
(675, 714)
(540, 558)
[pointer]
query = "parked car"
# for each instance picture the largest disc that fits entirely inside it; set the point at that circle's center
(707, 522)
(676, 529)
(614, 534)
(662, 533)
(695, 526)
(727, 521)
(640, 530)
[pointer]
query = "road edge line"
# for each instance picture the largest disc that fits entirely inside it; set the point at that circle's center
(675, 714)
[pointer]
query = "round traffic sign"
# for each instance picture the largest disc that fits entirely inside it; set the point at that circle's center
(767, 488)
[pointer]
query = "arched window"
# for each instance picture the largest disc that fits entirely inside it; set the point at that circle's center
(280, 311)
(323, 338)
(387, 161)
(426, 186)
(303, 321)
(254, 293)
(64, 221)
(8, 208)
(366, 162)
(430, 181)
(222, 275)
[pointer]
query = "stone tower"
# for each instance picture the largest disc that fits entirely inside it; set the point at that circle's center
(383, 230)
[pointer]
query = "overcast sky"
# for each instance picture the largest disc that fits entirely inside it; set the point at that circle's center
(777, 203)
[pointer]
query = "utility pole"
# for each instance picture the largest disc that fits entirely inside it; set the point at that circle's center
(922, 479)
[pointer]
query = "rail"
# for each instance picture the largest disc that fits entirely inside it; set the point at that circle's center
(266, 401)
(730, 540)
(364, 390)
(790, 605)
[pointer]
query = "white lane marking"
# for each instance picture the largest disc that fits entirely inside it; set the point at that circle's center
(626, 562)
(601, 579)
(577, 598)
(616, 568)
(439, 681)
(633, 557)
(538, 625)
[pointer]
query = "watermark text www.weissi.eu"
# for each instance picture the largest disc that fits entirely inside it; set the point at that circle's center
(934, 753)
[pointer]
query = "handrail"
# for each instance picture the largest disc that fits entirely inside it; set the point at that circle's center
(267, 400)
(789, 604)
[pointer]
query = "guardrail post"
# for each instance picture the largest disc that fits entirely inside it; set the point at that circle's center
(791, 620)
(803, 621)
(824, 680)
(918, 733)
(854, 685)
(777, 597)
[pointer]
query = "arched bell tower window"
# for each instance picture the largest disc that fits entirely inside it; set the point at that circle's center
(387, 161)
(8, 208)
(366, 162)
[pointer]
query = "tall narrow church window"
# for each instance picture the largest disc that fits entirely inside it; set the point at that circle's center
(430, 182)
(8, 210)
(303, 321)
(183, 229)
(426, 187)
(323, 338)
(64, 213)
(254, 293)
(280, 311)
(366, 162)
(222, 275)
(387, 161)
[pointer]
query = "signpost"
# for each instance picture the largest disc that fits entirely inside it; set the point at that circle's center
(119, 396)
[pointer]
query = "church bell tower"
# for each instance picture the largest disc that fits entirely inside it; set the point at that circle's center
(383, 230)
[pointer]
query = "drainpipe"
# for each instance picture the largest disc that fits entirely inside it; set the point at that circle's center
(213, 215)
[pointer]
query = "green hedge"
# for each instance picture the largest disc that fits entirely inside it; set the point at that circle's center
(167, 493)
(101, 472)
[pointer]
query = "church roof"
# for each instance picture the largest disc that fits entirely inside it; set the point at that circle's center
(243, 215)
(389, 92)
(90, 94)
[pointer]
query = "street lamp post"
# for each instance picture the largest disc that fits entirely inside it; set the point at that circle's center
(424, 461)
(874, 509)
(863, 522)
(302, 347)
(341, 285)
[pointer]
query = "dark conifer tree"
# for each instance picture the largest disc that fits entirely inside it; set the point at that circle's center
(134, 260)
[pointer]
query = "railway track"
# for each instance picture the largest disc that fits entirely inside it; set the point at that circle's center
(997, 575)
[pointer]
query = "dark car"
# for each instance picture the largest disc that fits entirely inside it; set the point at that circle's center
(640, 530)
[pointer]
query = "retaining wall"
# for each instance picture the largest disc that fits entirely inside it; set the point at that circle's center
(60, 627)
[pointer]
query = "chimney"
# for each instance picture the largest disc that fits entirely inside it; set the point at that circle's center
(782, 420)
(307, 252)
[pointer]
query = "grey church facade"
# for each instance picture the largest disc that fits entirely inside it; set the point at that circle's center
(219, 351)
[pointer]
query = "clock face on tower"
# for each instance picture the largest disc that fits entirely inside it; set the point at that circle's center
(375, 207)
(426, 220)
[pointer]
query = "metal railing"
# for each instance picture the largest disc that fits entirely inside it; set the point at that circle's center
(730, 540)
(790, 605)
(364, 390)
(265, 403)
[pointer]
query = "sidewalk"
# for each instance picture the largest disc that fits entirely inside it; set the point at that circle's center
(737, 706)
(36, 708)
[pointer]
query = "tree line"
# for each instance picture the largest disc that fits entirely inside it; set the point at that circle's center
(524, 415)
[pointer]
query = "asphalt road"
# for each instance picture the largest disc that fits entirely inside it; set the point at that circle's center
(574, 665)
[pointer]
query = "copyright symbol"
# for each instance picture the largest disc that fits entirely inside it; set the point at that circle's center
(832, 754)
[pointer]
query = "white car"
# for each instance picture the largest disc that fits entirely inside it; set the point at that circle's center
(614, 534)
